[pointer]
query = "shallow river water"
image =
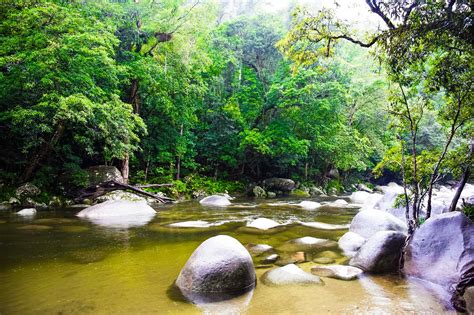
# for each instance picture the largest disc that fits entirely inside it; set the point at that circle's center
(56, 263)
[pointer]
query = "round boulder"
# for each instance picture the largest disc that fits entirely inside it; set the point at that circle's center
(116, 208)
(220, 268)
(27, 212)
(368, 222)
(381, 252)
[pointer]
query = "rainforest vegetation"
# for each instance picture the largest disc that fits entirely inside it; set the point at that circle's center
(174, 91)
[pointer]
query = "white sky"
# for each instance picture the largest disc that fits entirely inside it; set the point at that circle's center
(354, 11)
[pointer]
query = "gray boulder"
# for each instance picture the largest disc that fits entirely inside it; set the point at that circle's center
(350, 243)
(315, 191)
(220, 268)
(279, 184)
(289, 274)
(469, 300)
(368, 222)
(441, 250)
(27, 190)
(381, 252)
(258, 249)
(337, 272)
(103, 173)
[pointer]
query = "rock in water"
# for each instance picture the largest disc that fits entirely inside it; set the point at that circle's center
(220, 268)
(116, 208)
(215, 200)
(337, 272)
(263, 224)
(381, 252)
(289, 274)
(441, 249)
(259, 192)
(307, 243)
(350, 243)
(368, 222)
(27, 212)
(309, 205)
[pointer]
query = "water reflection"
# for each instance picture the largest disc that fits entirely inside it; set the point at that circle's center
(123, 222)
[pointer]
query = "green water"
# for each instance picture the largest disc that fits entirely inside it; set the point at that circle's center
(56, 263)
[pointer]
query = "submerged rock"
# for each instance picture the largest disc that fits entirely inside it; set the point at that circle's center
(289, 274)
(270, 259)
(339, 202)
(220, 268)
(368, 222)
(325, 226)
(263, 224)
(350, 243)
(215, 200)
(441, 249)
(337, 272)
(27, 212)
(309, 205)
(324, 260)
(307, 243)
(381, 252)
(194, 224)
(258, 249)
(291, 258)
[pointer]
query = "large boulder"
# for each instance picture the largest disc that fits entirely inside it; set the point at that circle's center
(381, 253)
(368, 222)
(117, 208)
(279, 184)
(391, 191)
(309, 205)
(103, 173)
(216, 201)
(220, 268)
(350, 243)
(27, 212)
(289, 274)
(441, 249)
(367, 200)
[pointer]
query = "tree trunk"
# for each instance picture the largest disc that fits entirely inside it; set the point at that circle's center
(43, 152)
(306, 171)
(178, 158)
(463, 181)
(125, 168)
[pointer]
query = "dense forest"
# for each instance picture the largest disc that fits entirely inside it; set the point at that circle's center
(182, 92)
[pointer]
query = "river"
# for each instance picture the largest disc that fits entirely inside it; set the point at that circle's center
(57, 263)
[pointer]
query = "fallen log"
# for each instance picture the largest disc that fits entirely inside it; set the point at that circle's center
(98, 190)
(154, 185)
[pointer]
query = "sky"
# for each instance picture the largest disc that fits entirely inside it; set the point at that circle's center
(355, 12)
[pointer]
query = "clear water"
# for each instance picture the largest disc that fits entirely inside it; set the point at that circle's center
(56, 263)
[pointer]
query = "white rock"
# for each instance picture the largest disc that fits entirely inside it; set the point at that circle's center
(325, 226)
(339, 202)
(192, 224)
(289, 274)
(367, 200)
(263, 224)
(350, 243)
(117, 208)
(27, 212)
(337, 272)
(368, 222)
(257, 249)
(309, 205)
(216, 200)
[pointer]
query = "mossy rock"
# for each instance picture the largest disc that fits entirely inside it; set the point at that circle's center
(299, 193)
(35, 227)
(73, 228)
